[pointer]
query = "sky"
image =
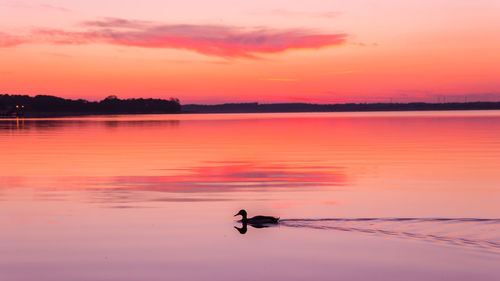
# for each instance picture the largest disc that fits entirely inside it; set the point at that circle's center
(243, 51)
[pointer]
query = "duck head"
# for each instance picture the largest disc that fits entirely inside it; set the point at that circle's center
(242, 213)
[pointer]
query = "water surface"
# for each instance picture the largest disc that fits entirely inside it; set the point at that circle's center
(379, 196)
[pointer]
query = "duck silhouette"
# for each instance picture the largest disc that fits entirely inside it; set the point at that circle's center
(257, 220)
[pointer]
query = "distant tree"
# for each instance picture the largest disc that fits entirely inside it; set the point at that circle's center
(111, 104)
(111, 97)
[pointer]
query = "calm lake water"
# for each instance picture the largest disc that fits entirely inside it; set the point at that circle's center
(361, 196)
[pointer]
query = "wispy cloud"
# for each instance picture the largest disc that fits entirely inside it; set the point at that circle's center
(7, 40)
(55, 8)
(214, 40)
(118, 23)
(44, 6)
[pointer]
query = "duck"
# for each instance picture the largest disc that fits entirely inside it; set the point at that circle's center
(257, 220)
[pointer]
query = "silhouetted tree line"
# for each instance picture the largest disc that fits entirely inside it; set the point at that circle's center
(44, 105)
(347, 107)
(11, 105)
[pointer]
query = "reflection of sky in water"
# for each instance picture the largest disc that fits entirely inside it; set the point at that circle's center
(226, 178)
(152, 197)
(196, 182)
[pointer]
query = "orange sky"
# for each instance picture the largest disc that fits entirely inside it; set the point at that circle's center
(217, 51)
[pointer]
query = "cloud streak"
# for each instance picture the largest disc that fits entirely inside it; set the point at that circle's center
(213, 40)
(7, 40)
(55, 8)
(30, 6)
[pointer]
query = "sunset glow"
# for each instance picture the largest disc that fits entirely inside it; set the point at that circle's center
(222, 51)
(249, 140)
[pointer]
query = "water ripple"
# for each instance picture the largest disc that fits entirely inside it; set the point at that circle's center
(479, 233)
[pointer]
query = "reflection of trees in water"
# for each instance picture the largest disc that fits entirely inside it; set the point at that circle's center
(141, 123)
(54, 125)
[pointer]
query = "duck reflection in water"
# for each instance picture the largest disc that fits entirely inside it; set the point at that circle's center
(256, 222)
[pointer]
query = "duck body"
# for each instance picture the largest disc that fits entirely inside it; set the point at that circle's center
(257, 220)
(262, 220)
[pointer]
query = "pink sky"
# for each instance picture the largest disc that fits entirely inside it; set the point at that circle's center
(266, 51)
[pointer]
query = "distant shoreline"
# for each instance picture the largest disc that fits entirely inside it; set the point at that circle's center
(285, 108)
(43, 106)
(348, 107)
